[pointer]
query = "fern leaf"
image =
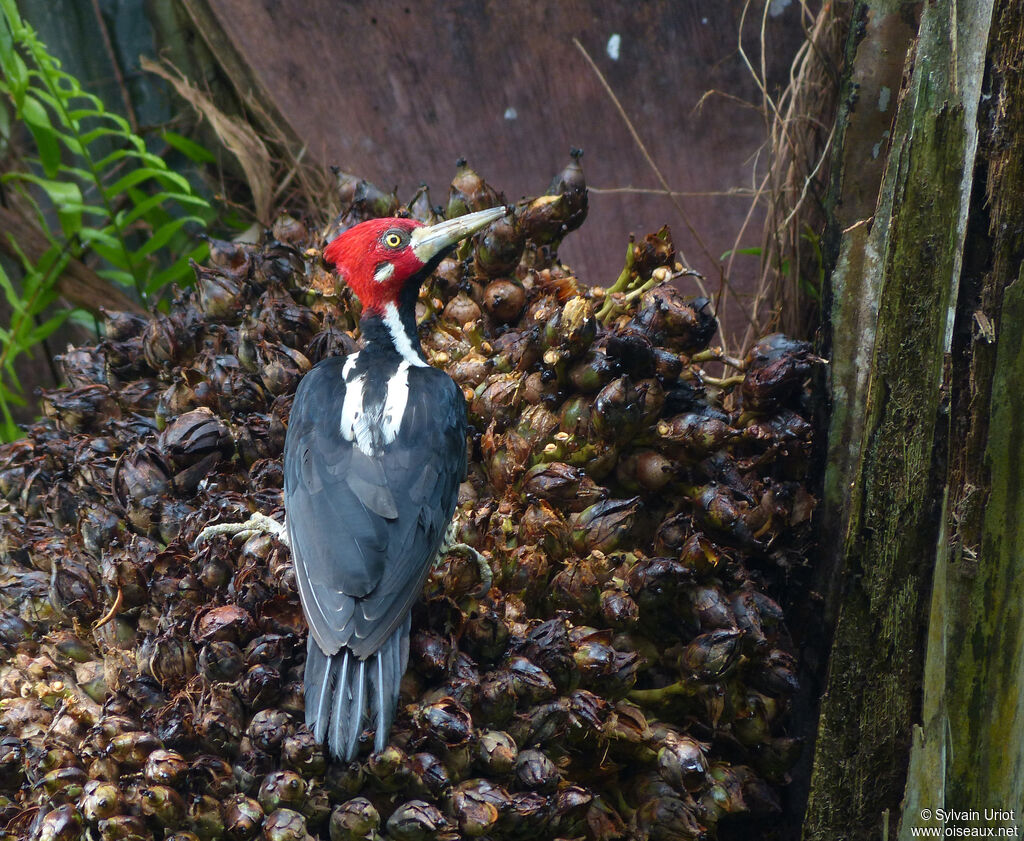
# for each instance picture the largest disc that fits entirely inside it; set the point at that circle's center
(136, 177)
(38, 122)
(65, 195)
(102, 183)
(161, 237)
(46, 329)
(119, 276)
(13, 298)
(189, 148)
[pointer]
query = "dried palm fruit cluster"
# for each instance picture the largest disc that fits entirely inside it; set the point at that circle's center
(625, 672)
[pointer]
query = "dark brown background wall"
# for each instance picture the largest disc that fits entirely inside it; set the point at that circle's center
(395, 91)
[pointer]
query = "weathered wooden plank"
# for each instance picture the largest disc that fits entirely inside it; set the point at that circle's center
(882, 34)
(969, 752)
(79, 284)
(880, 37)
(397, 91)
(896, 466)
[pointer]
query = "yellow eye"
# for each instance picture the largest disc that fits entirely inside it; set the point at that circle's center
(392, 239)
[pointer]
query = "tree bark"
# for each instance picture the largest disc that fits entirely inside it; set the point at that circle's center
(79, 284)
(969, 752)
(922, 710)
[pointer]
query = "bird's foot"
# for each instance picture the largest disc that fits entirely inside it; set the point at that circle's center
(256, 524)
(450, 538)
(486, 576)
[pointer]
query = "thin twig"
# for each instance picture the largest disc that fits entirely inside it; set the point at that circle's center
(110, 614)
(810, 178)
(122, 87)
(728, 97)
(291, 173)
(858, 223)
(798, 145)
(740, 192)
(722, 302)
(643, 149)
(661, 178)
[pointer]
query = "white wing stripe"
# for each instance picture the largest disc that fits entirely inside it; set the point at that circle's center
(358, 425)
(350, 364)
(353, 419)
(394, 405)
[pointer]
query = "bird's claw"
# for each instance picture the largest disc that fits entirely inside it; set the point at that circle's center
(450, 538)
(256, 524)
(486, 576)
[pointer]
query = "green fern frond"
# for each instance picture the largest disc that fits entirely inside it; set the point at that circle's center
(95, 188)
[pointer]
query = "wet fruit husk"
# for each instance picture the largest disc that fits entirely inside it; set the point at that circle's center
(627, 674)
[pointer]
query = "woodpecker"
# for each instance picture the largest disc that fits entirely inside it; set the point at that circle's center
(373, 458)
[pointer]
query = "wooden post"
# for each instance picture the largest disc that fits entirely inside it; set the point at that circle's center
(969, 752)
(893, 314)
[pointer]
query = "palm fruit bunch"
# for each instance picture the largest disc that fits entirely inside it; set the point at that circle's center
(620, 668)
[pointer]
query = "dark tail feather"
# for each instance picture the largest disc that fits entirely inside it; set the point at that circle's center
(337, 687)
(319, 679)
(354, 726)
(388, 666)
(329, 694)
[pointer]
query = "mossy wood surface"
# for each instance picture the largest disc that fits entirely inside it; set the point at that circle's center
(891, 433)
(880, 37)
(969, 753)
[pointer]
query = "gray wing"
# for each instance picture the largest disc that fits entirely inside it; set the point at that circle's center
(364, 529)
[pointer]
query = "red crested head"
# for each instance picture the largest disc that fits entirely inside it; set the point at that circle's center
(379, 257)
(375, 259)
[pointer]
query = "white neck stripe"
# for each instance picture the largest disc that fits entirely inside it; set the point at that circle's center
(393, 321)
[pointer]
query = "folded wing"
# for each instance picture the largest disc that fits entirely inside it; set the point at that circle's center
(364, 528)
